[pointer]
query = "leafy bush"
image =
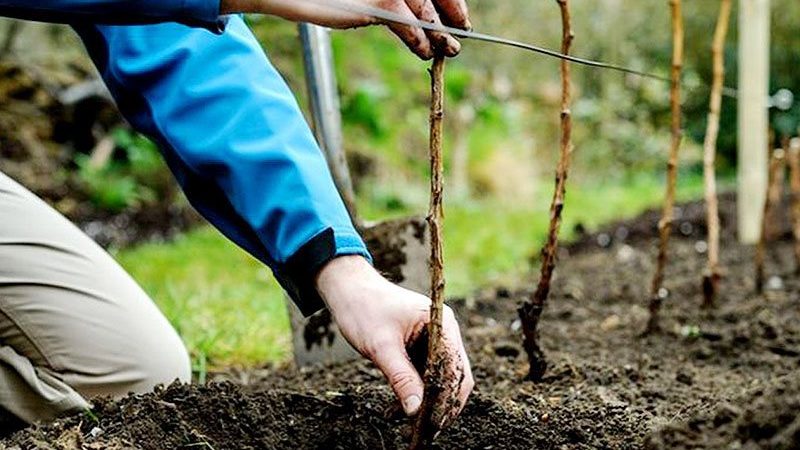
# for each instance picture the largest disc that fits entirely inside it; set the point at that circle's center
(134, 176)
(109, 187)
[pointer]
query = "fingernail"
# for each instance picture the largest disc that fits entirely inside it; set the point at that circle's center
(411, 404)
(468, 25)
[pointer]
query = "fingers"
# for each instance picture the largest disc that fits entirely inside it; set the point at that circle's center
(458, 381)
(406, 383)
(454, 13)
(414, 37)
(426, 12)
(460, 365)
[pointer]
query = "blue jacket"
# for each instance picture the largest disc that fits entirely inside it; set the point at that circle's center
(226, 122)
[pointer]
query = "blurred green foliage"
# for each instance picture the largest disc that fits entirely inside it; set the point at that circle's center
(133, 176)
(621, 121)
(109, 188)
(502, 103)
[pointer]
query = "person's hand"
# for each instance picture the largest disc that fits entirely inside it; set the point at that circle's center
(453, 13)
(381, 320)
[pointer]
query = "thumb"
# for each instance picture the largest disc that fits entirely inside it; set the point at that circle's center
(406, 383)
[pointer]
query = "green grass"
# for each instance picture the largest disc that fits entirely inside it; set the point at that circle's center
(225, 304)
(230, 311)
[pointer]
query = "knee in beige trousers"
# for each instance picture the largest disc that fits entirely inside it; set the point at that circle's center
(73, 324)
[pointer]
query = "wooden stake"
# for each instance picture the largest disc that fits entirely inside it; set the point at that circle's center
(752, 167)
(793, 156)
(712, 275)
(775, 178)
(426, 427)
(530, 312)
(657, 293)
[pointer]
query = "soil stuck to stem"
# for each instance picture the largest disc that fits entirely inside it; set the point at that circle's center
(725, 380)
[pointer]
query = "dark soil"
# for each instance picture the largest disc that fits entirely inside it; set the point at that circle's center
(728, 379)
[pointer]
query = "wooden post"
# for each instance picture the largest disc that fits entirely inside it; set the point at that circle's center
(425, 427)
(657, 293)
(531, 311)
(712, 275)
(754, 45)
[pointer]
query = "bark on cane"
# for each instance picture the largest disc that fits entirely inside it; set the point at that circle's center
(530, 312)
(425, 426)
(712, 275)
(774, 179)
(657, 293)
(775, 194)
(793, 156)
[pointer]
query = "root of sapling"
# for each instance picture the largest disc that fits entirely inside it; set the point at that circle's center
(426, 427)
(712, 275)
(774, 182)
(531, 311)
(793, 157)
(657, 292)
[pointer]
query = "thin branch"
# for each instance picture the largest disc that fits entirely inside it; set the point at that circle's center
(657, 293)
(775, 193)
(712, 275)
(774, 182)
(425, 427)
(530, 312)
(793, 156)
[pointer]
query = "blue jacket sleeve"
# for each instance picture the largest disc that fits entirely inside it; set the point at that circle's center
(203, 13)
(233, 135)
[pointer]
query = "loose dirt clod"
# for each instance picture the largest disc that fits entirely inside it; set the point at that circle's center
(711, 276)
(665, 225)
(531, 310)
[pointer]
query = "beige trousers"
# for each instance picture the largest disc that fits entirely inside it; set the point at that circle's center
(73, 324)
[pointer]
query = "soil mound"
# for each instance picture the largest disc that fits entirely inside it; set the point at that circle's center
(223, 416)
(765, 418)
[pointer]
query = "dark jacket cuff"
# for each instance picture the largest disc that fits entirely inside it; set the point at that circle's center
(298, 275)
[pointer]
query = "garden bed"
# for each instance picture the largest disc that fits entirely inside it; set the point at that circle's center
(725, 380)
